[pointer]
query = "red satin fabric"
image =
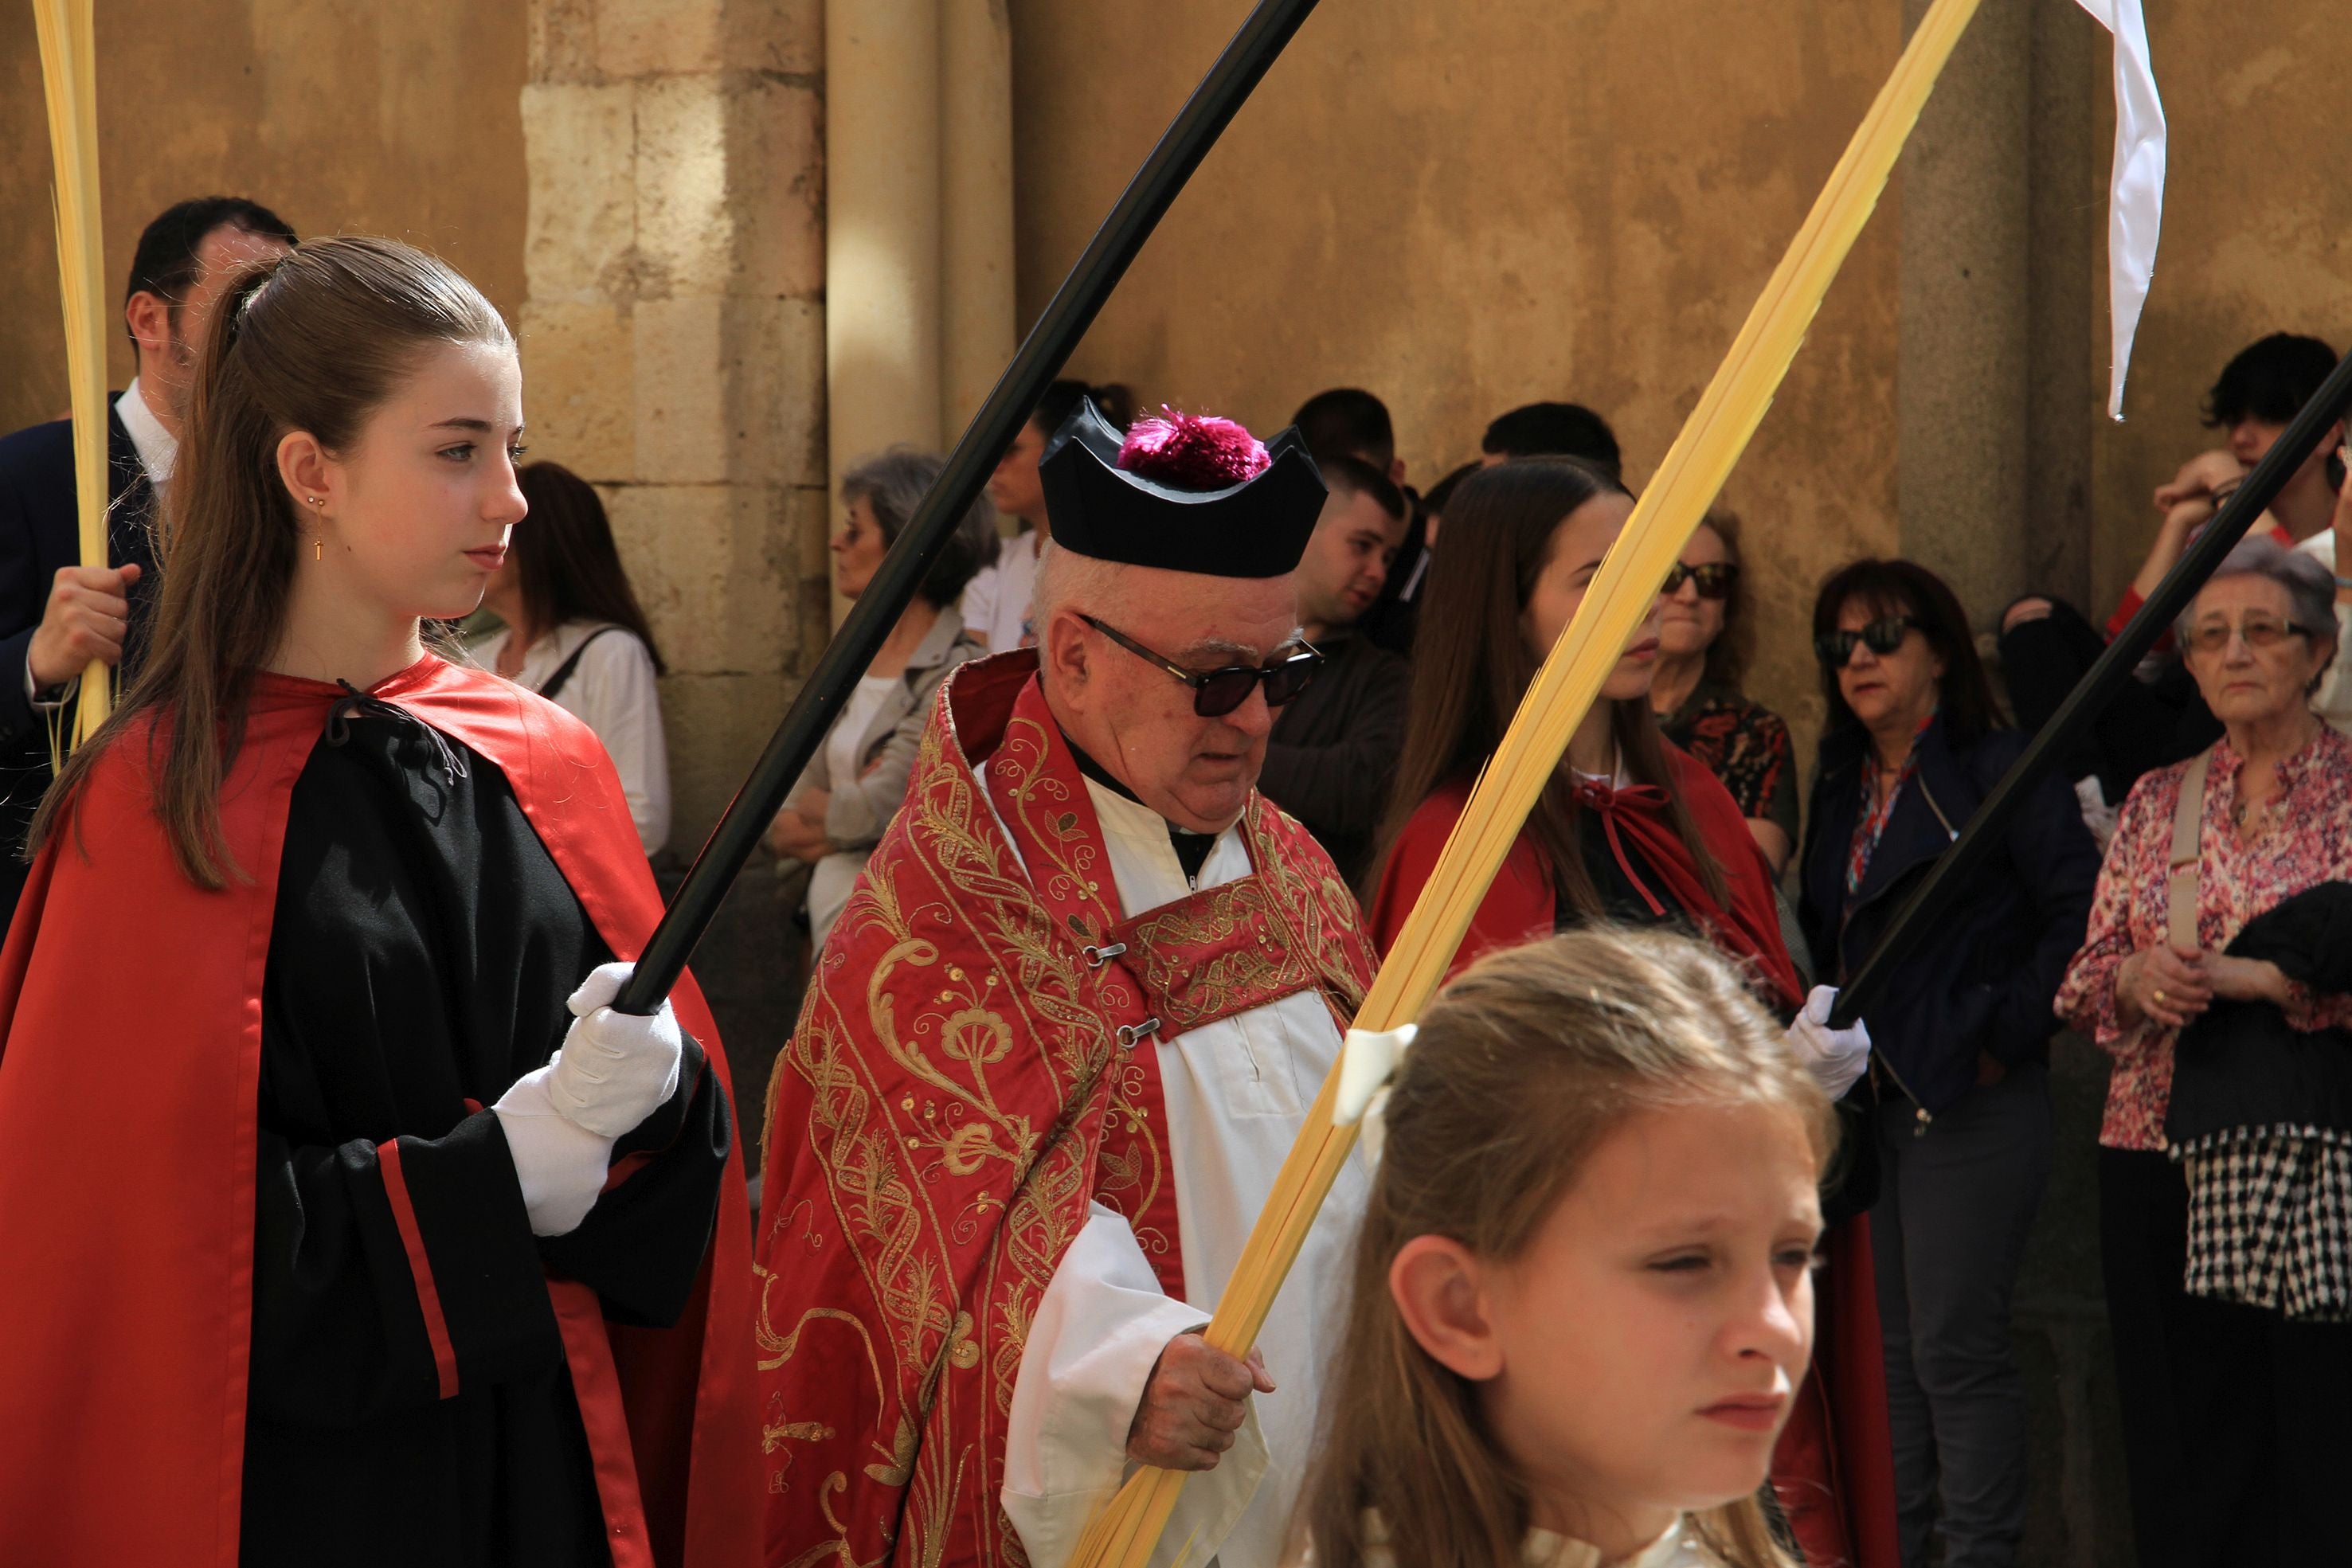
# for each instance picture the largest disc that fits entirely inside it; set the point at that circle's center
(1519, 906)
(128, 1101)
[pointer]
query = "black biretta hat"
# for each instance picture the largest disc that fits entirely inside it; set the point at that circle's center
(1183, 494)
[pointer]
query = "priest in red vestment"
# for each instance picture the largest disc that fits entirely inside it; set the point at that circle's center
(1054, 1052)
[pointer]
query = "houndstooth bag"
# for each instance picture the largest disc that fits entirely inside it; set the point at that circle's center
(2270, 1209)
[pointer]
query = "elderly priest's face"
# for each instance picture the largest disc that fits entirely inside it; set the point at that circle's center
(1137, 720)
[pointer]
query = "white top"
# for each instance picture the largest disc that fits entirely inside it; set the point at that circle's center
(158, 451)
(996, 602)
(2333, 700)
(843, 741)
(614, 691)
(1237, 1093)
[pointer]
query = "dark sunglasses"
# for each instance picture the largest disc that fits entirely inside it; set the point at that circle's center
(1715, 579)
(1834, 648)
(1219, 692)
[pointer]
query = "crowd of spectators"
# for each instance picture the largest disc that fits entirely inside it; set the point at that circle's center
(1678, 803)
(2179, 891)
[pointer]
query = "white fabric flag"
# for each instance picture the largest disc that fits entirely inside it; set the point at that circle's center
(2136, 189)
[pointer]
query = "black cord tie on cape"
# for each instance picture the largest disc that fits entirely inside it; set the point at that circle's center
(357, 704)
(1597, 797)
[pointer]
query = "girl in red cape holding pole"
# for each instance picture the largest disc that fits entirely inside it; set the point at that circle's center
(1632, 831)
(346, 1221)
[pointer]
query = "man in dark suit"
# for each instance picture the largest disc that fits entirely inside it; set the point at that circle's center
(56, 614)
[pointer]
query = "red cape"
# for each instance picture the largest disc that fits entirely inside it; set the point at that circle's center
(1834, 1467)
(1519, 905)
(130, 1001)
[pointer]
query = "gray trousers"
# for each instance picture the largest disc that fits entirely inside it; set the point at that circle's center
(1949, 1234)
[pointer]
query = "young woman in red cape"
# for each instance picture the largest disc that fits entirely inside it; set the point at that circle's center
(1633, 831)
(347, 1223)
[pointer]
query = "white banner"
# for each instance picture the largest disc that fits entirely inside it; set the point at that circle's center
(2136, 188)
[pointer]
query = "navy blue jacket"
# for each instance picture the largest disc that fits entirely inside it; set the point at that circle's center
(40, 532)
(1983, 980)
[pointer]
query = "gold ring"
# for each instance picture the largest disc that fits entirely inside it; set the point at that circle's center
(2159, 998)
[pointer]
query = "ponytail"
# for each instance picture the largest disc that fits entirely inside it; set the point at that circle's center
(316, 340)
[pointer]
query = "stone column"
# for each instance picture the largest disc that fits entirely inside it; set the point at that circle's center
(978, 317)
(672, 347)
(918, 218)
(673, 340)
(882, 225)
(1963, 381)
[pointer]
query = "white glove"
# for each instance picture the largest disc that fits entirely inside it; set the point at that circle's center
(614, 1069)
(1835, 1057)
(560, 1164)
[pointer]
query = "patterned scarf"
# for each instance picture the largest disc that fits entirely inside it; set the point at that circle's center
(1876, 810)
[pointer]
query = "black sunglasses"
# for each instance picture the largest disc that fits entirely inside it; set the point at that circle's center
(1715, 579)
(1219, 692)
(1834, 648)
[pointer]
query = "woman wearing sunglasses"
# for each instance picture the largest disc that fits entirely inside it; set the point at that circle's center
(1962, 1138)
(1632, 830)
(1704, 640)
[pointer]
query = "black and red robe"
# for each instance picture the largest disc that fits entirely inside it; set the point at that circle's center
(276, 1296)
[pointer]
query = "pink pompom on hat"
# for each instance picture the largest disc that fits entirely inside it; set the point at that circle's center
(1192, 451)
(1183, 492)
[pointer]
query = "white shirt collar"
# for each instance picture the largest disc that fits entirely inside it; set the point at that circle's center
(157, 449)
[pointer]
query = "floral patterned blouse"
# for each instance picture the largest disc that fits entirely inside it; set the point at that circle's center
(1744, 745)
(2311, 843)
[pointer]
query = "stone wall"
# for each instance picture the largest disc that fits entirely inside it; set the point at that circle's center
(392, 119)
(672, 341)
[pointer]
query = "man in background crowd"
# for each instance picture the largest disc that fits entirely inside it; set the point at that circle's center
(1334, 747)
(1350, 423)
(58, 615)
(1551, 430)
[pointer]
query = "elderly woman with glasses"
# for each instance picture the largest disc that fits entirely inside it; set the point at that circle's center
(2215, 974)
(843, 801)
(1962, 1138)
(1705, 639)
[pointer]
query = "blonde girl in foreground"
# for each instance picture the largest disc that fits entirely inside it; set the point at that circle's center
(1583, 1297)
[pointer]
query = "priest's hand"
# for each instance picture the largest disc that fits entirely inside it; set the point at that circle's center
(615, 1067)
(1195, 1401)
(87, 615)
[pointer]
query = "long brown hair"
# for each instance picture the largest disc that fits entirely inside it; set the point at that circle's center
(1471, 665)
(1729, 656)
(566, 565)
(314, 340)
(1521, 1068)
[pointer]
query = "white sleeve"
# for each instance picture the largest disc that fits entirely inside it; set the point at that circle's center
(620, 700)
(979, 605)
(1098, 1332)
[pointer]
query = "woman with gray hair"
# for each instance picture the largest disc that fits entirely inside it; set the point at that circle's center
(2216, 974)
(844, 802)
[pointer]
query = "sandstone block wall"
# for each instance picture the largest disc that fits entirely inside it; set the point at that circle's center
(673, 339)
(673, 343)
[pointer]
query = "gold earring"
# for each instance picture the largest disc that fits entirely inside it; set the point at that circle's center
(318, 548)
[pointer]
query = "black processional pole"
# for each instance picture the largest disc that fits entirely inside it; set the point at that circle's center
(1245, 62)
(2091, 695)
